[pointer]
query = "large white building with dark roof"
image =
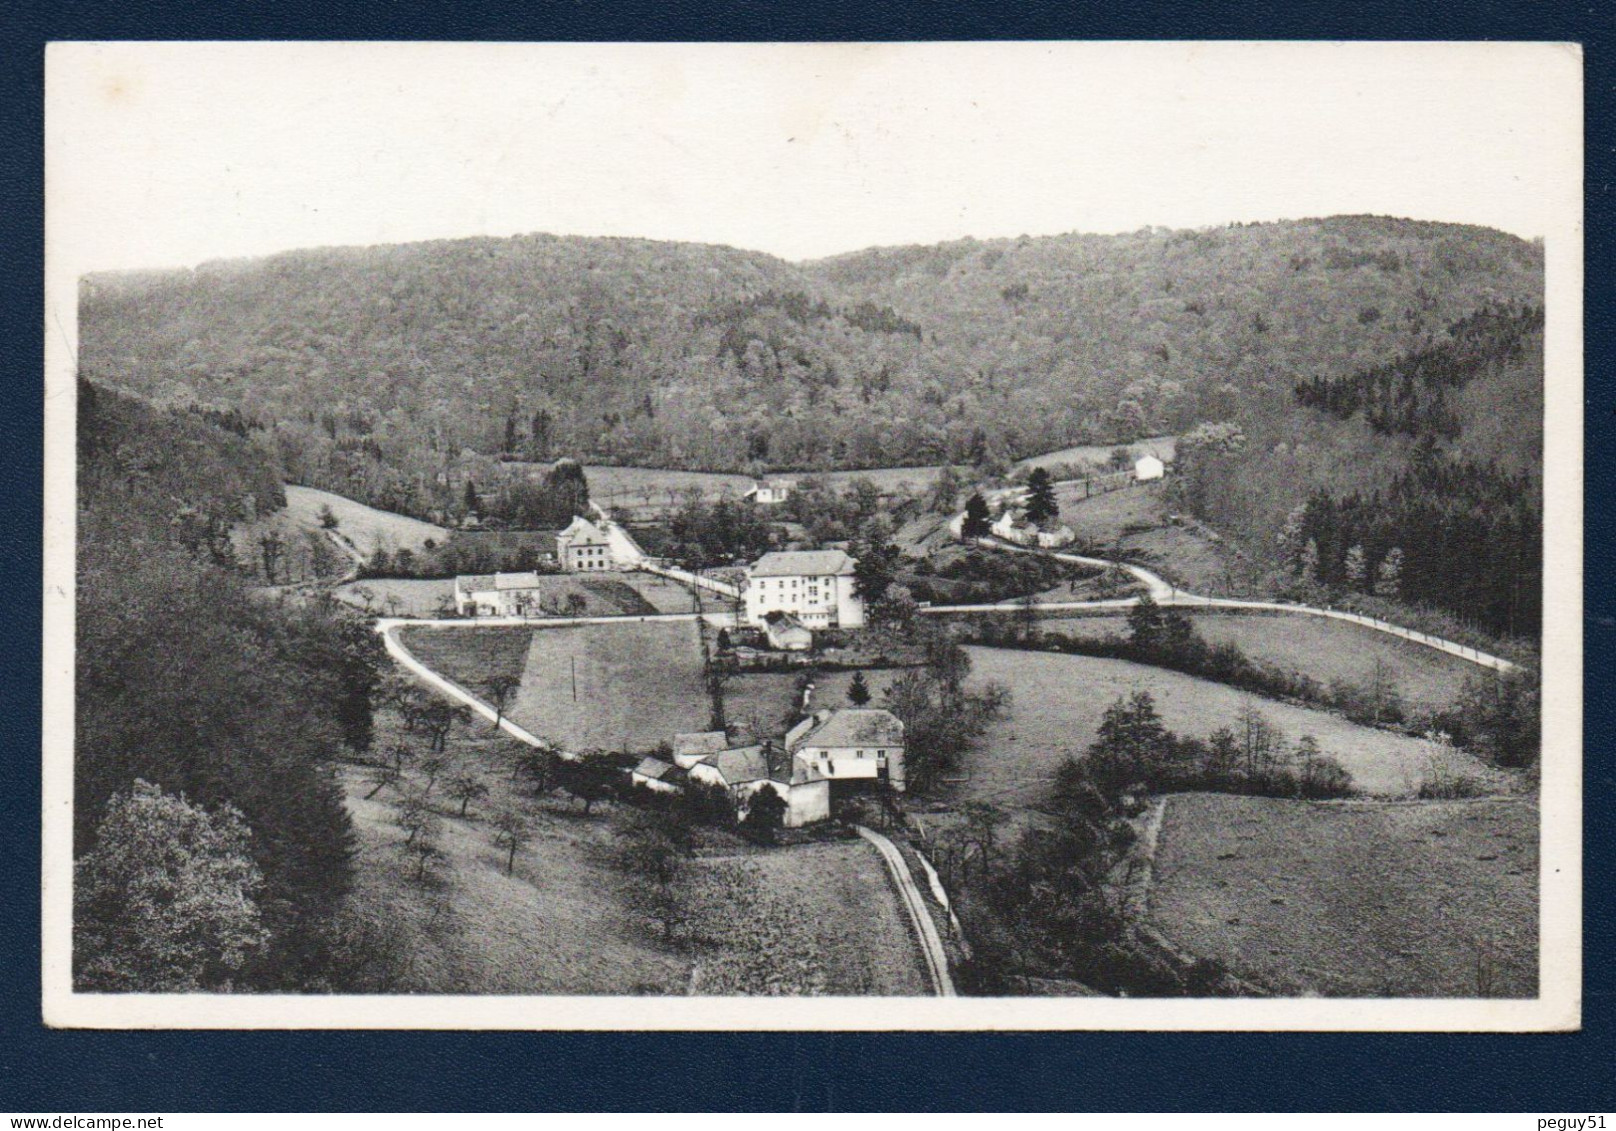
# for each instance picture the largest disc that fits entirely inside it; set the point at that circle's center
(815, 586)
(852, 744)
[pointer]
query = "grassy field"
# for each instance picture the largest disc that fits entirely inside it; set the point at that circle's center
(1098, 454)
(1437, 899)
(637, 684)
(1323, 649)
(366, 527)
(1058, 701)
(810, 919)
(627, 594)
(470, 656)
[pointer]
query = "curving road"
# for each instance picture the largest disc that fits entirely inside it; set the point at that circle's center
(1165, 593)
(931, 944)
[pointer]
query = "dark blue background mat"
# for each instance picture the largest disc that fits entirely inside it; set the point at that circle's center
(44, 1071)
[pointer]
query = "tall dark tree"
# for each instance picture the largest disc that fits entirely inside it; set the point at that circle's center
(1042, 506)
(978, 519)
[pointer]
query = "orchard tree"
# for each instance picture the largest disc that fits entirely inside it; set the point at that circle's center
(166, 900)
(511, 832)
(466, 787)
(498, 689)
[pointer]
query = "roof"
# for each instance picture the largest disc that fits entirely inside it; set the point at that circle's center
(700, 742)
(778, 621)
(740, 765)
(848, 726)
(802, 563)
(483, 582)
(582, 527)
(654, 768)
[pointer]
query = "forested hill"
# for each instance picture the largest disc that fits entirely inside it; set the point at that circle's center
(186, 682)
(379, 367)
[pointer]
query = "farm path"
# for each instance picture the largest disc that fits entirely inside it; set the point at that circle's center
(931, 946)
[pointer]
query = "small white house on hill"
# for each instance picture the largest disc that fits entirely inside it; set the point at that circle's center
(1023, 533)
(851, 744)
(767, 492)
(815, 586)
(1148, 467)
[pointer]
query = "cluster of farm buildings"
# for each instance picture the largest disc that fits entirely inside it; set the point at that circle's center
(827, 755)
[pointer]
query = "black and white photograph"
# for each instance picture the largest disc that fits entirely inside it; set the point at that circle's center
(823, 536)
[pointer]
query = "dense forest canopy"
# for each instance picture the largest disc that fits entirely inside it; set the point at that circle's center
(383, 366)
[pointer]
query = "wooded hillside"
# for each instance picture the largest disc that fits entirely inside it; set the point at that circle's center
(380, 366)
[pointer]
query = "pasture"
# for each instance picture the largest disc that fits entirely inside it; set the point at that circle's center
(365, 527)
(1058, 700)
(817, 918)
(612, 687)
(1323, 649)
(1434, 899)
(398, 596)
(470, 656)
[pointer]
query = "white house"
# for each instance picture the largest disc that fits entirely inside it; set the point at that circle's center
(584, 547)
(815, 586)
(746, 770)
(786, 633)
(767, 492)
(853, 745)
(497, 595)
(1148, 467)
(656, 775)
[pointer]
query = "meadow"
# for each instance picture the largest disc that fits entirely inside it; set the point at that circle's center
(1132, 523)
(1317, 647)
(1058, 700)
(367, 528)
(612, 687)
(1434, 899)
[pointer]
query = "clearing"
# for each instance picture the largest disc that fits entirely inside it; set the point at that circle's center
(1058, 700)
(1429, 899)
(811, 919)
(1318, 647)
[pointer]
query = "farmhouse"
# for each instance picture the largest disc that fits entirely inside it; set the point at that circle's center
(584, 547)
(497, 594)
(745, 770)
(767, 492)
(815, 586)
(1148, 467)
(786, 633)
(856, 746)
(656, 775)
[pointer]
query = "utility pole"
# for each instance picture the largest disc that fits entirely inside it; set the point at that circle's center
(573, 660)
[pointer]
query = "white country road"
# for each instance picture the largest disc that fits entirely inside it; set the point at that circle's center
(931, 944)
